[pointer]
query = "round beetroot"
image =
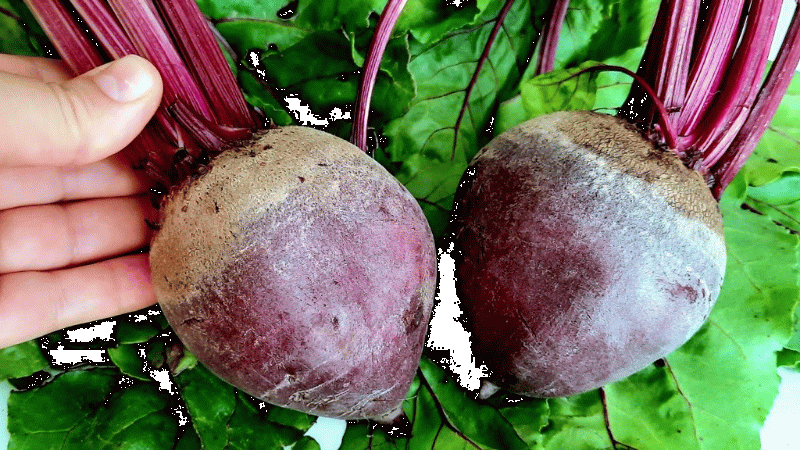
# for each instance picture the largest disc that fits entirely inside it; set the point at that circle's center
(299, 270)
(583, 253)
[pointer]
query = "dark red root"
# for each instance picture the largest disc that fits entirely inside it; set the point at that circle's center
(300, 271)
(583, 253)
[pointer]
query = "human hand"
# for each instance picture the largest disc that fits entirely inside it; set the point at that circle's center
(71, 209)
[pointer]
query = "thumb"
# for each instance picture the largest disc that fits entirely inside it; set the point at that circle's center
(78, 121)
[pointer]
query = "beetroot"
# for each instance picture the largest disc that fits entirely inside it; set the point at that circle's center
(583, 253)
(299, 270)
(589, 246)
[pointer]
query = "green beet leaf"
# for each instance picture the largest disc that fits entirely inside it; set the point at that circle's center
(559, 90)
(429, 147)
(254, 10)
(244, 34)
(21, 360)
(129, 360)
(727, 372)
(429, 20)
(250, 429)
(337, 14)
(321, 70)
(210, 402)
(256, 95)
(20, 34)
(189, 441)
(307, 15)
(433, 183)
(444, 416)
(226, 419)
(430, 428)
(586, 37)
(132, 333)
(772, 177)
(529, 417)
(89, 409)
(307, 56)
(777, 153)
(648, 409)
(138, 327)
(443, 71)
(575, 422)
(480, 423)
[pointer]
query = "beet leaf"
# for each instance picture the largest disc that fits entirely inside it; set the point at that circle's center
(425, 148)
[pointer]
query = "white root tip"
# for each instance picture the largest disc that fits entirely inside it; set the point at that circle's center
(487, 389)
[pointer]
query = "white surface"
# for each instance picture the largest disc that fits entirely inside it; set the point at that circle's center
(782, 428)
(5, 389)
(783, 25)
(328, 433)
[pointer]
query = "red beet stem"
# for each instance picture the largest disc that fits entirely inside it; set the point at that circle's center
(719, 105)
(717, 41)
(764, 107)
(377, 46)
(200, 50)
(105, 27)
(665, 63)
(202, 111)
(730, 109)
(143, 26)
(97, 15)
(676, 49)
(66, 35)
(550, 36)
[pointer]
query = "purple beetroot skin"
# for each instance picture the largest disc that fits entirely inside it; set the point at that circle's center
(583, 253)
(299, 270)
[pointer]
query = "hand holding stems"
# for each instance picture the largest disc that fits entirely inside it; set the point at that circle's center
(72, 210)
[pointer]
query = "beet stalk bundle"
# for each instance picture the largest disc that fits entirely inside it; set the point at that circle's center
(293, 265)
(588, 246)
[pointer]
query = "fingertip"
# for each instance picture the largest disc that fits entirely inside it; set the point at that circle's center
(78, 121)
(132, 88)
(128, 79)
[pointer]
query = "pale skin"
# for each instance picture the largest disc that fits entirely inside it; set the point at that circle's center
(72, 211)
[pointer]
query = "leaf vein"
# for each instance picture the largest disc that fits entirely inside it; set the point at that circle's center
(731, 338)
(685, 398)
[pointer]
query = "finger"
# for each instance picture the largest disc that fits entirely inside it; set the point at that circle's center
(35, 303)
(54, 236)
(110, 177)
(78, 121)
(44, 69)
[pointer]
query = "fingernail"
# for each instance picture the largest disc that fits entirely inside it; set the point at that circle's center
(124, 80)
